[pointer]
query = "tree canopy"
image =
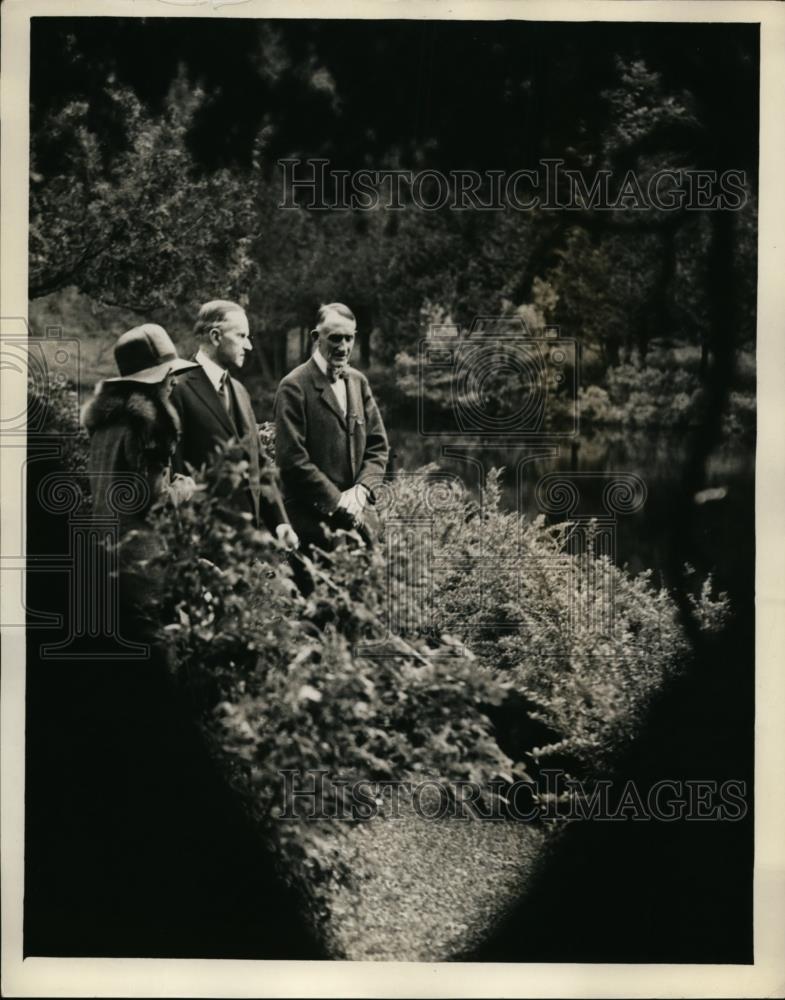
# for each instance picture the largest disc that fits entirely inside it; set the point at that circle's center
(155, 181)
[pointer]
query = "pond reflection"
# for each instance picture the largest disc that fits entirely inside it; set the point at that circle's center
(723, 523)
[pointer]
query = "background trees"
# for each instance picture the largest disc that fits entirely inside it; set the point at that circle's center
(154, 182)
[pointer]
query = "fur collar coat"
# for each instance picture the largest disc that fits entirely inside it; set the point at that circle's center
(133, 432)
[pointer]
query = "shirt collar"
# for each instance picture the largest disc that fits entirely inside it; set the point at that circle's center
(321, 361)
(324, 368)
(214, 372)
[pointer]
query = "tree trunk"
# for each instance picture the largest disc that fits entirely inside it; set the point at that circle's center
(659, 314)
(364, 316)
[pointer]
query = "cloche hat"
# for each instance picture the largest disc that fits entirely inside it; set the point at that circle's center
(146, 354)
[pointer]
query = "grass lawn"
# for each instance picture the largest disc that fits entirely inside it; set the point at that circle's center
(429, 890)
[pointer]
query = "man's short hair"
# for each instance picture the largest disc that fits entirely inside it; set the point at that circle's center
(213, 314)
(336, 307)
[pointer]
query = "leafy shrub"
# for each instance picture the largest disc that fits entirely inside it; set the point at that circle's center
(509, 588)
(278, 681)
(283, 682)
(665, 393)
(663, 397)
(286, 663)
(54, 411)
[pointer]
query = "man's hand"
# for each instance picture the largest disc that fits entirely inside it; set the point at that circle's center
(354, 501)
(180, 488)
(287, 536)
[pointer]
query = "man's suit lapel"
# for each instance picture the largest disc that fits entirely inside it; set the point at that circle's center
(354, 400)
(249, 435)
(245, 412)
(203, 387)
(322, 385)
(356, 415)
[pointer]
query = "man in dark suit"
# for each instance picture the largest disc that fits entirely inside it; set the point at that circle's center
(331, 445)
(214, 408)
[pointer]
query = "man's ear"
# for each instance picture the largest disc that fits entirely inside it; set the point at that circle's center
(214, 336)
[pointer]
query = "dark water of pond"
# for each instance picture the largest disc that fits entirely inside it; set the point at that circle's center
(722, 532)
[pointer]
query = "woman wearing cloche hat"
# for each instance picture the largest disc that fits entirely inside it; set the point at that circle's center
(133, 431)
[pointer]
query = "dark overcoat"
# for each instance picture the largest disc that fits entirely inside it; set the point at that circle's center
(206, 426)
(133, 433)
(319, 451)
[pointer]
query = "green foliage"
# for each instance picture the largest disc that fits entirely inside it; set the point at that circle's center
(665, 393)
(144, 231)
(137, 221)
(281, 682)
(94, 325)
(122, 208)
(286, 663)
(509, 588)
(641, 106)
(53, 410)
(657, 397)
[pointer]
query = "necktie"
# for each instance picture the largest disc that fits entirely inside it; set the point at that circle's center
(223, 392)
